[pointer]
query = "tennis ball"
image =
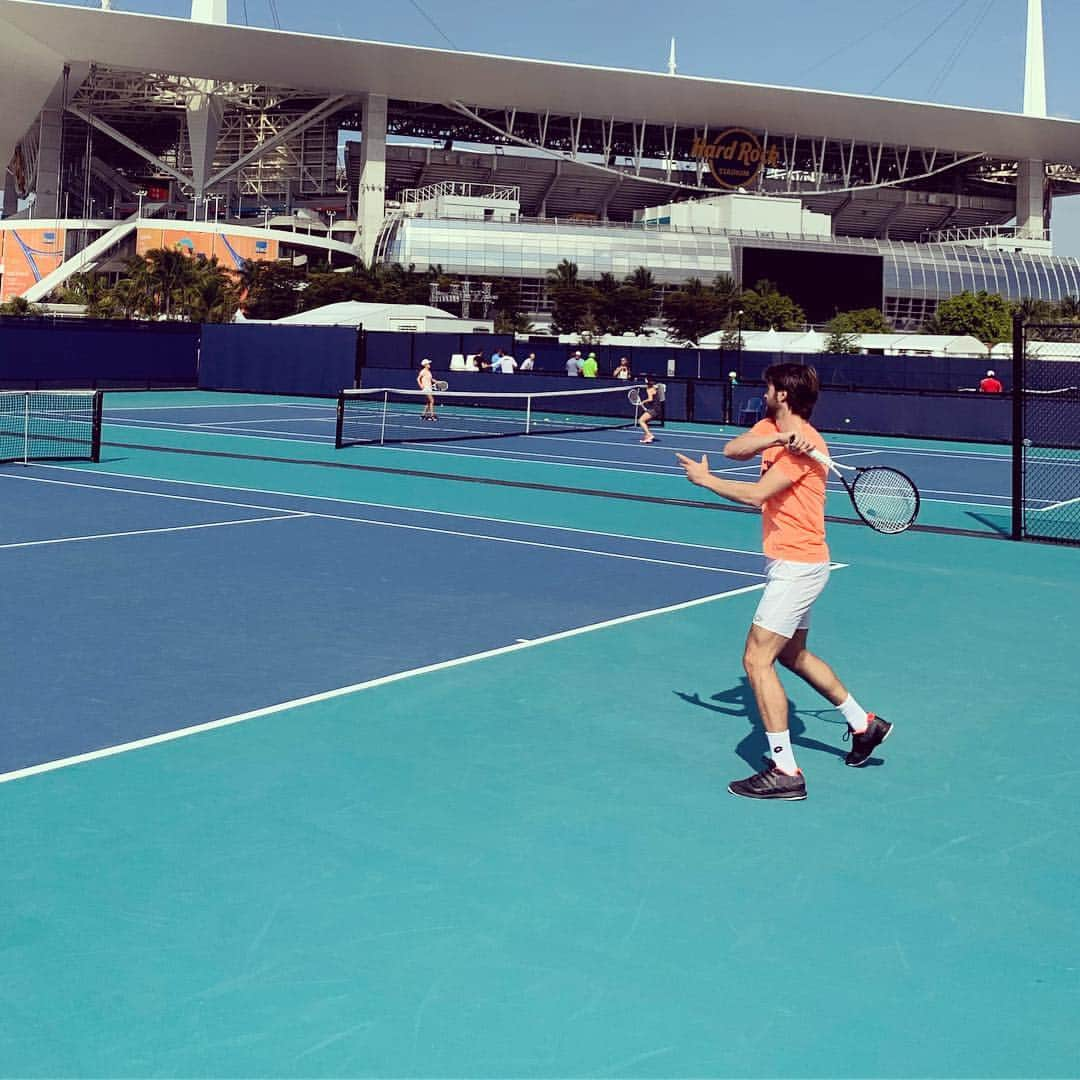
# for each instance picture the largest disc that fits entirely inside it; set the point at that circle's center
(847, 419)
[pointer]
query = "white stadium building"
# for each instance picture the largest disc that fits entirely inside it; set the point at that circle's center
(122, 132)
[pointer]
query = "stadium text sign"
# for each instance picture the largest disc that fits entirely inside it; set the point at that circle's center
(735, 156)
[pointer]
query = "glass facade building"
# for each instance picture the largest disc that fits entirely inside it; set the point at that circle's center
(915, 277)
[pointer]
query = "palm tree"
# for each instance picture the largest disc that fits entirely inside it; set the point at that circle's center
(170, 271)
(564, 276)
(211, 295)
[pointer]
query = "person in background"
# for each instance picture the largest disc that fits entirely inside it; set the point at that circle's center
(589, 366)
(480, 362)
(991, 384)
(425, 380)
(622, 371)
(528, 363)
(650, 409)
(507, 363)
(574, 362)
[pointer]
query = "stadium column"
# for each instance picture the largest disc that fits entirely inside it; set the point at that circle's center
(205, 112)
(1030, 198)
(371, 193)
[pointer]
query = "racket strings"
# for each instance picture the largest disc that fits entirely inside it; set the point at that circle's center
(886, 499)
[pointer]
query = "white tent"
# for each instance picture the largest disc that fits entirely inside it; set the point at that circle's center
(418, 318)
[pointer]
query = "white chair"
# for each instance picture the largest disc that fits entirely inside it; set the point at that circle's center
(457, 362)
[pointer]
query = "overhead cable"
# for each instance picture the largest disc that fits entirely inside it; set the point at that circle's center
(955, 11)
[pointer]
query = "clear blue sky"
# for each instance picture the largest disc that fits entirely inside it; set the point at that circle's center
(884, 47)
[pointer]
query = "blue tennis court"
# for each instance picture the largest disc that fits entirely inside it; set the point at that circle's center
(411, 761)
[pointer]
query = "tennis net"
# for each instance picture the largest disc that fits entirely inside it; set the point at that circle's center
(50, 425)
(386, 415)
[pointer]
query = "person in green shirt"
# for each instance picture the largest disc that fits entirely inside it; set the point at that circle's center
(589, 366)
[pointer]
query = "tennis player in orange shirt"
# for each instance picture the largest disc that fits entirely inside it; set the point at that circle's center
(791, 494)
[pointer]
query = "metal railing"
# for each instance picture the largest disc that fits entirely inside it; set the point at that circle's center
(984, 232)
(461, 189)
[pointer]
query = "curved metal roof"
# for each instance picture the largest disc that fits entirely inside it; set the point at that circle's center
(37, 39)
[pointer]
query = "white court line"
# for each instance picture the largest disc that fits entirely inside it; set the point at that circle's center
(1053, 506)
(328, 403)
(383, 680)
(149, 532)
(266, 420)
(407, 527)
(381, 506)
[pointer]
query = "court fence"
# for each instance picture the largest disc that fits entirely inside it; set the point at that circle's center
(1046, 440)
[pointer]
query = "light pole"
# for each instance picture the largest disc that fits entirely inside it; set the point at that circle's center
(331, 215)
(195, 199)
(217, 206)
(265, 211)
(140, 193)
(738, 342)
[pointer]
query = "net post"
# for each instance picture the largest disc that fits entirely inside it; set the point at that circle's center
(385, 408)
(1019, 385)
(95, 433)
(339, 427)
(528, 414)
(26, 428)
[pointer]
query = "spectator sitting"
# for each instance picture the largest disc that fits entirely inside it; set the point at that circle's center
(528, 363)
(623, 370)
(480, 362)
(506, 363)
(590, 367)
(991, 384)
(574, 362)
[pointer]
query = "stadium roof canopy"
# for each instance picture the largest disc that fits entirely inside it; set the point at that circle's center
(36, 40)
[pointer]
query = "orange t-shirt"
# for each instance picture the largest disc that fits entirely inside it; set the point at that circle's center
(794, 521)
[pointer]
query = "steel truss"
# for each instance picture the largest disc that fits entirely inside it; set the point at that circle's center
(274, 145)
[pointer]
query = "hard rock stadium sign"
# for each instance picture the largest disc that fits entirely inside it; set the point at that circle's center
(735, 157)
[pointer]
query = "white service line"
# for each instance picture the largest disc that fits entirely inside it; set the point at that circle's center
(1052, 506)
(150, 532)
(379, 506)
(235, 405)
(384, 680)
(409, 528)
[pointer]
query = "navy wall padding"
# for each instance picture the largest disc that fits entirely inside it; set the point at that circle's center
(389, 349)
(316, 361)
(395, 349)
(964, 417)
(92, 353)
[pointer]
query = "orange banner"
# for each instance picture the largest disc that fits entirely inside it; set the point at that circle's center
(27, 255)
(232, 251)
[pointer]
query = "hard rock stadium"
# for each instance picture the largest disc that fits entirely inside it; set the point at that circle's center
(123, 132)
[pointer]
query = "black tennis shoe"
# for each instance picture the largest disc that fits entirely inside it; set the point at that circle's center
(770, 783)
(864, 743)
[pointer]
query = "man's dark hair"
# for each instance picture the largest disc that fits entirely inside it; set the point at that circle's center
(800, 381)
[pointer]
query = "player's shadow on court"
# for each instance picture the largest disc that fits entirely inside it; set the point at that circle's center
(738, 702)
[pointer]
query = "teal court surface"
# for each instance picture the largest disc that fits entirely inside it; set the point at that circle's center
(412, 761)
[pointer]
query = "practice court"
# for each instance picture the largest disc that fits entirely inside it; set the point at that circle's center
(412, 761)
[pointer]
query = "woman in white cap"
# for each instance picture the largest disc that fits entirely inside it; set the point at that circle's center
(424, 380)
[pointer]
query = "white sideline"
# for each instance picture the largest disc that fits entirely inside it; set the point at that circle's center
(149, 532)
(377, 505)
(342, 691)
(284, 510)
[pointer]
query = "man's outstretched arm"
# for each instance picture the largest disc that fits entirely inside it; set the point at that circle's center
(756, 494)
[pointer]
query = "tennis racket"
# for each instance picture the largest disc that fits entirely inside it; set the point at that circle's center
(440, 384)
(634, 396)
(884, 498)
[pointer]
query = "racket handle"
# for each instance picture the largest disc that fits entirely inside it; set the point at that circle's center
(821, 459)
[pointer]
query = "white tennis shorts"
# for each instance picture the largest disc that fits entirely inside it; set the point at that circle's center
(790, 591)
